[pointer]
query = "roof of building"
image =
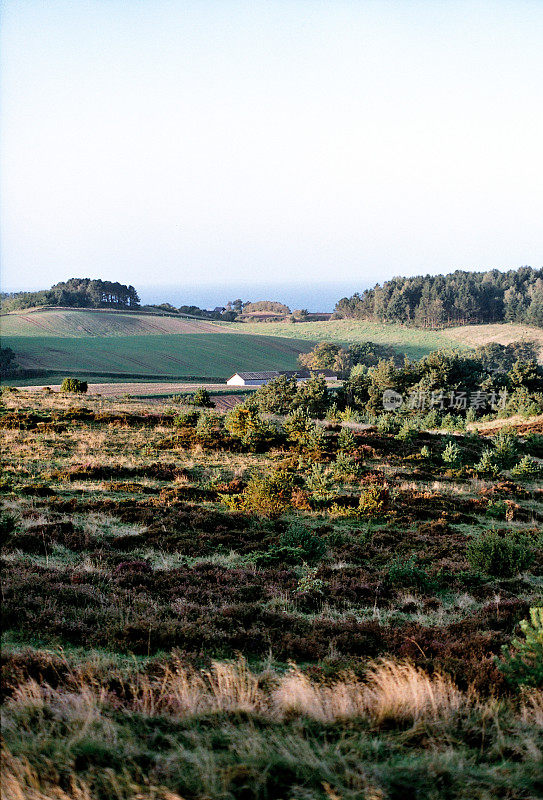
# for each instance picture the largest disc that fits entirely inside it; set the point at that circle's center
(270, 374)
(258, 376)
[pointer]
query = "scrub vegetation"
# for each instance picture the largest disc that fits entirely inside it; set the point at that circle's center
(312, 601)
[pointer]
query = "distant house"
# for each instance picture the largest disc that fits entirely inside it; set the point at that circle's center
(259, 378)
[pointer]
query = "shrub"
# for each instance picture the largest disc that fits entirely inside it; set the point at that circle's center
(425, 452)
(451, 455)
(505, 449)
(487, 465)
(74, 385)
(209, 428)
(387, 424)
(302, 431)
(496, 510)
(187, 420)
(320, 482)
(202, 398)
(309, 583)
(346, 441)
(301, 538)
(374, 500)
(525, 664)
(245, 423)
(407, 432)
(502, 554)
(402, 572)
(527, 467)
(269, 494)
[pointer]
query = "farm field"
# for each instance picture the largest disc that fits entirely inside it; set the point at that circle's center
(415, 342)
(476, 335)
(200, 356)
(89, 322)
(102, 345)
(185, 618)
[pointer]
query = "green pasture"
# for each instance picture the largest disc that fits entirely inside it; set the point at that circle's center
(202, 355)
(414, 342)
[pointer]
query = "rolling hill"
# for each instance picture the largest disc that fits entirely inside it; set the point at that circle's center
(110, 345)
(105, 345)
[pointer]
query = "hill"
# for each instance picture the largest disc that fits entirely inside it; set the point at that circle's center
(120, 345)
(86, 322)
(107, 344)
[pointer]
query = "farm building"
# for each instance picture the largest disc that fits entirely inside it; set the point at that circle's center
(259, 378)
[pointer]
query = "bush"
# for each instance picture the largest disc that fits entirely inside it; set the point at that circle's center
(74, 385)
(502, 554)
(525, 664)
(320, 482)
(451, 455)
(408, 573)
(245, 423)
(202, 398)
(346, 441)
(374, 500)
(487, 465)
(298, 537)
(187, 420)
(505, 449)
(268, 494)
(527, 467)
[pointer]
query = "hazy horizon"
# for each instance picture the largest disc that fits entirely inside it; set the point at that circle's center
(278, 142)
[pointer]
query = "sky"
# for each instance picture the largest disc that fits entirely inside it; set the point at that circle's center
(192, 143)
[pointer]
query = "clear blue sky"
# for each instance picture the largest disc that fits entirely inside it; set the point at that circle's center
(175, 142)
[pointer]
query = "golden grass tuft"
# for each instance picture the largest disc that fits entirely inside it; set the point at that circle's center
(19, 781)
(400, 691)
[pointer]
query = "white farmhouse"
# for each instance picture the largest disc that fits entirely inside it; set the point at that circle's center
(259, 378)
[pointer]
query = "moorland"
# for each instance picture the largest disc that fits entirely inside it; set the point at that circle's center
(305, 597)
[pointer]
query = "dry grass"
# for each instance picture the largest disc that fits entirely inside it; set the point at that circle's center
(19, 781)
(391, 692)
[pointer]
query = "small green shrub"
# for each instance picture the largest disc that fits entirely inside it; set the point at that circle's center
(301, 538)
(346, 441)
(487, 465)
(320, 482)
(505, 449)
(527, 467)
(269, 494)
(451, 455)
(309, 583)
(496, 510)
(524, 664)
(402, 572)
(374, 500)
(202, 398)
(502, 554)
(187, 420)
(74, 385)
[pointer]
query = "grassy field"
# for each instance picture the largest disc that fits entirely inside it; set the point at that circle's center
(100, 345)
(171, 631)
(86, 322)
(415, 343)
(201, 355)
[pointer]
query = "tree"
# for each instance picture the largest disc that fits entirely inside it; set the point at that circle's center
(277, 396)
(313, 397)
(323, 356)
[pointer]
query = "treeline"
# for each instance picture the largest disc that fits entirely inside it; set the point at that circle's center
(492, 379)
(76, 293)
(462, 297)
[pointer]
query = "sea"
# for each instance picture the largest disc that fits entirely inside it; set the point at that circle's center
(315, 297)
